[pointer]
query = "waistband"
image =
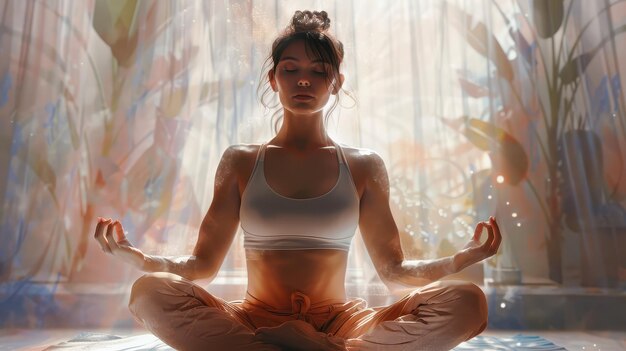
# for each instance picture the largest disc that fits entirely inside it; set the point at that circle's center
(301, 305)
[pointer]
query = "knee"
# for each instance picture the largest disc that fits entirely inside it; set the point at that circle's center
(465, 300)
(149, 282)
(470, 304)
(148, 288)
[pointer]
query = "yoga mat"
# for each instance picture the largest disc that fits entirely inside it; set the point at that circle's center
(145, 342)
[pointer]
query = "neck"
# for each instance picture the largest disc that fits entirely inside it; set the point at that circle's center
(302, 131)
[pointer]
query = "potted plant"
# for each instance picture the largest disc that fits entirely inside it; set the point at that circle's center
(553, 70)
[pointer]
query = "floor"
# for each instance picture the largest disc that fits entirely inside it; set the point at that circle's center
(33, 339)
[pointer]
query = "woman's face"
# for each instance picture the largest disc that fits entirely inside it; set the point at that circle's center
(304, 84)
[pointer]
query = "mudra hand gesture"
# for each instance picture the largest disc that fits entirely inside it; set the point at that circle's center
(120, 246)
(474, 251)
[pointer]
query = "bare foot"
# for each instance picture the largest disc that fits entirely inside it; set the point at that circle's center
(299, 335)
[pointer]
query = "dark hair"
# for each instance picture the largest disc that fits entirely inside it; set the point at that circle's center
(312, 28)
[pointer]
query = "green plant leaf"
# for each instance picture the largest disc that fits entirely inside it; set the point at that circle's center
(547, 16)
(572, 70)
(507, 155)
(479, 139)
(115, 23)
(482, 40)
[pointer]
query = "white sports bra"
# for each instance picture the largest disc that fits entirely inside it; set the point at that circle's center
(271, 221)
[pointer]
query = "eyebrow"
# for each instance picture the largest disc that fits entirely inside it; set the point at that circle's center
(295, 59)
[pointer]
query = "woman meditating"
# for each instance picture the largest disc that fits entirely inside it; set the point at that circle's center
(300, 197)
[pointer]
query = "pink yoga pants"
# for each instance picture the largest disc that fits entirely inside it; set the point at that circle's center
(438, 316)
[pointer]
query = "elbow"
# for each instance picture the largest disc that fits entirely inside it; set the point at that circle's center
(204, 269)
(392, 280)
(397, 286)
(400, 279)
(204, 274)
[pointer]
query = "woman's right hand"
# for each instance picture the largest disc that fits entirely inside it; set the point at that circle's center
(119, 247)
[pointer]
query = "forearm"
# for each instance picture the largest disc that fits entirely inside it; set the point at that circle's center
(187, 266)
(417, 273)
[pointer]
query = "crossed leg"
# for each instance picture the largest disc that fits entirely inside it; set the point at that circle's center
(187, 317)
(438, 316)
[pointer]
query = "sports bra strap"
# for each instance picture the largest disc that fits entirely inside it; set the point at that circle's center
(261, 154)
(340, 153)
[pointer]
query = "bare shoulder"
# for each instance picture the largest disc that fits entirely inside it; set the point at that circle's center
(362, 159)
(244, 157)
(241, 153)
(242, 148)
(364, 164)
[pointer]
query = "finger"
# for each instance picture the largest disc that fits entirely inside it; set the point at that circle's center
(498, 236)
(119, 230)
(478, 231)
(100, 229)
(121, 235)
(109, 237)
(487, 245)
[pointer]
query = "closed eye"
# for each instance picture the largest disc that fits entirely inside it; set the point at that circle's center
(322, 72)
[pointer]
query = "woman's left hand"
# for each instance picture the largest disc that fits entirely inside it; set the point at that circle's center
(474, 251)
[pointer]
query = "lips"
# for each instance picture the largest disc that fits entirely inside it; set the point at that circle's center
(303, 97)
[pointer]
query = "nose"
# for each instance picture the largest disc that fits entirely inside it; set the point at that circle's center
(304, 83)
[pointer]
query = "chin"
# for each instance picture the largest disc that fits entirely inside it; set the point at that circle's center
(303, 108)
(305, 111)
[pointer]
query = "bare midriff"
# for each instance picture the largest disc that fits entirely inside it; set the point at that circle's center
(273, 275)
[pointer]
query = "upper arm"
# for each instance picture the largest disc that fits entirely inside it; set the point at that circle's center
(220, 223)
(376, 223)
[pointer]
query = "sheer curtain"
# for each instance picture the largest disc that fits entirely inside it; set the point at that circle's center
(122, 109)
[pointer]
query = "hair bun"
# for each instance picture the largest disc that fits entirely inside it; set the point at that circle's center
(306, 21)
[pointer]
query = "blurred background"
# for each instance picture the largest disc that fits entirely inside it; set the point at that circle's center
(123, 109)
